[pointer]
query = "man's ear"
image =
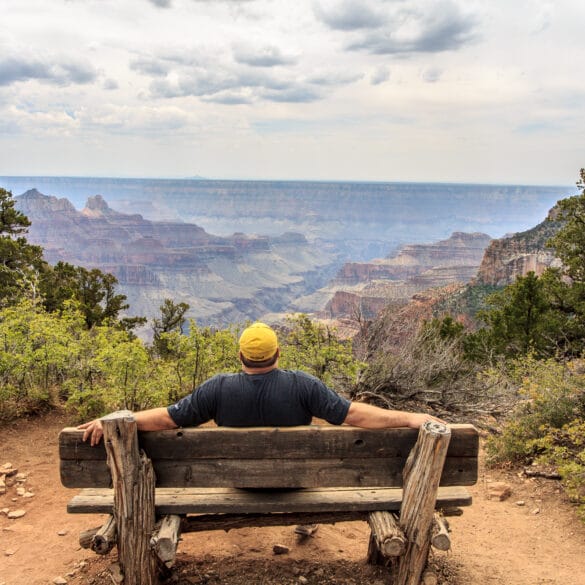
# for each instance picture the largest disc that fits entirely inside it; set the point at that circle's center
(240, 356)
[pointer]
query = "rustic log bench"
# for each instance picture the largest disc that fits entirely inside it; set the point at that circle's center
(295, 475)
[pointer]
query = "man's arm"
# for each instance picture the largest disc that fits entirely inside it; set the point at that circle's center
(371, 417)
(155, 419)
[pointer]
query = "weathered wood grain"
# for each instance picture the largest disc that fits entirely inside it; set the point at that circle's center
(133, 510)
(388, 535)
(226, 500)
(271, 473)
(317, 442)
(421, 481)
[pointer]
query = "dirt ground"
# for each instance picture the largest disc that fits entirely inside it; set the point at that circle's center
(493, 543)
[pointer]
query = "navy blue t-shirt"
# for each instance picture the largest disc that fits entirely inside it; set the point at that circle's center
(277, 398)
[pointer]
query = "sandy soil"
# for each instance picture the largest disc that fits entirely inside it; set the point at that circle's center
(493, 542)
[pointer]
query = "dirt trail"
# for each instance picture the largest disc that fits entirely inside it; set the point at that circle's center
(494, 543)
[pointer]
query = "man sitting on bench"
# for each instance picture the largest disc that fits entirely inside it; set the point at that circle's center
(263, 395)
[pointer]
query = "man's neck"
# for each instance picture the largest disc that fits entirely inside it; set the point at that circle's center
(252, 371)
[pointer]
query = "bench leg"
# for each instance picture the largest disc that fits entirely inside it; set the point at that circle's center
(133, 481)
(421, 474)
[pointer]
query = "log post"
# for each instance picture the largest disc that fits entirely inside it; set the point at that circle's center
(421, 476)
(165, 540)
(133, 482)
(440, 538)
(102, 539)
(387, 533)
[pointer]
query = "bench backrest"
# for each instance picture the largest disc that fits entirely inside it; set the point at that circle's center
(293, 457)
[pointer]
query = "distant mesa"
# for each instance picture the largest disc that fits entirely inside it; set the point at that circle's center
(367, 287)
(223, 279)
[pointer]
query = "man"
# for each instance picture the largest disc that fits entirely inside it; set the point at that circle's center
(263, 395)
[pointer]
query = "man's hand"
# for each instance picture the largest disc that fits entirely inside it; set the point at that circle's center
(416, 420)
(154, 419)
(93, 430)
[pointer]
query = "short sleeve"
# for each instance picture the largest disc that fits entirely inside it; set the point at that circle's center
(325, 403)
(198, 407)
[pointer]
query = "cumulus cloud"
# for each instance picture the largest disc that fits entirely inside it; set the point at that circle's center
(15, 69)
(334, 78)
(151, 66)
(299, 94)
(245, 76)
(423, 26)
(267, 56)
(349, 15)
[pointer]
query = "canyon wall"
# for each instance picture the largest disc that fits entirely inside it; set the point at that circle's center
(516, 255)
(365, 288)
(224, 279)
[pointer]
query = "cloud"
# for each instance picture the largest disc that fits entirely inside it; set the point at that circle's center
(267, 56)
(300, 94)
(110, 84)
(236, 88)
(380, 75)
(26, 68)
(230, 98)
(431, 74)
(423, 26)
(151, 66)
(161, 3)
(348, 15)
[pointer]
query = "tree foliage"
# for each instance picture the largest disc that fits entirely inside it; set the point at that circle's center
(172, 319)
(520, 320)
(20, 262)
(315, 348)
(94, 292)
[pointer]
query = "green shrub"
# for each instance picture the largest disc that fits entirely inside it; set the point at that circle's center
(548, 425)
(551, 396)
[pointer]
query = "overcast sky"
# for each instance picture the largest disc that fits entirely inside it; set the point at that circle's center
(372, 90)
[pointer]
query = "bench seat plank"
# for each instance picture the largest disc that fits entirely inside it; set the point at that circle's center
(236, 501)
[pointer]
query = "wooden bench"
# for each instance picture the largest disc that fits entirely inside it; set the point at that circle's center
(223, 478)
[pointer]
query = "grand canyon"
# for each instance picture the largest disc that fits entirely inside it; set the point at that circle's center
(292, 247)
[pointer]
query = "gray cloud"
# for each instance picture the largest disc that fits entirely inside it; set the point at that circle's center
(262, 57)
(161, 3)
(237, 89)
(334, 78)
(349, 15)
(379, 76)
(15, 69)
(110, 84)
(201, 83)
(432, 74)
(150, 66)
(300, 94)
(400, 28)
(229, 98)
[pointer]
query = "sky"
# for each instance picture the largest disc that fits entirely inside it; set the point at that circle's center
(484, 91)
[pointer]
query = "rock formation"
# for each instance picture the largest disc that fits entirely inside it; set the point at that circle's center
(223, 279)
(516, 255)
(365, 288)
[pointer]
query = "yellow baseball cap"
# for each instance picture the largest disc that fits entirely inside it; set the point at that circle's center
(258, 342)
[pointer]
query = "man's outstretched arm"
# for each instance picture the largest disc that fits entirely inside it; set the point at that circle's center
(155, 419)
(371, 417)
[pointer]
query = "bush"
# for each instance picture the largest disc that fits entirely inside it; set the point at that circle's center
(565, 449)
(547, 425)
